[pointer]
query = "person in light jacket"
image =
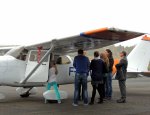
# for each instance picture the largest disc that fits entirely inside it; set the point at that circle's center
(53, 81)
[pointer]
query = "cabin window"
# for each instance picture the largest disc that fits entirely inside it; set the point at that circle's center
(34, 56)
(63, 60)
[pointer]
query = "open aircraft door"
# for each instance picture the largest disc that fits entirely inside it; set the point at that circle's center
(41, 74)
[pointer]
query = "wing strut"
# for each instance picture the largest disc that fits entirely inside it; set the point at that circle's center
(37, 66)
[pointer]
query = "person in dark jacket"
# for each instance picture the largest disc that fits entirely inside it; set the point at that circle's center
(109, 77)
(81, 64)
(122, 66)
(97, 68)
(80, 87)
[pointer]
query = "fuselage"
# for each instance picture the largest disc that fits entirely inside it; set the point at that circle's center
(13, 71)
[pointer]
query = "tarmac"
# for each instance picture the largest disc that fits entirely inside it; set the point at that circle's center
(138, 101)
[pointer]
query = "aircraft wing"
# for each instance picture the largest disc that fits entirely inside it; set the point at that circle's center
(88, 40)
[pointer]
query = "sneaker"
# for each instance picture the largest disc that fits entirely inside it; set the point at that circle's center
(46, 101)
(109, 98)
(91, 103)
(59, 102)
(75, 105)
(121, 101)
(104, 99)
(100, 102)
(85, 104)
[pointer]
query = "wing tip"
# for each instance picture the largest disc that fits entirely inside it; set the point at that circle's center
(146, 38)
(95, 31)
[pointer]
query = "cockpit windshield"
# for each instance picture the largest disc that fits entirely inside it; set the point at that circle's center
(18, 52)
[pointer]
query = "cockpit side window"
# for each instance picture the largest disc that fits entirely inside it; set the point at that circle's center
(59, 60)
(63, 60)
(34, 56)
(23, 55)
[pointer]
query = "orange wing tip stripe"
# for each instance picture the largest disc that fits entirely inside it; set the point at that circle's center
(95, 31)
(146, 38)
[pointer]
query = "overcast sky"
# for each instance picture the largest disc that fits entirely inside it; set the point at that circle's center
(33, 21)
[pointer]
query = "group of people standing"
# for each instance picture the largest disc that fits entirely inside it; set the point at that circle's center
(100, 69)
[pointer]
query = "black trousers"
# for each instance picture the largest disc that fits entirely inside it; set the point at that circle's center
(99, 88)
(104, 88)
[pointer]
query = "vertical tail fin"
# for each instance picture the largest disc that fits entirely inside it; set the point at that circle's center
(139, 58)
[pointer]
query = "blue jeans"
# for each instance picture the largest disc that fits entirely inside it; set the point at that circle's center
(109, 85)
(54, 84)
(80, 80)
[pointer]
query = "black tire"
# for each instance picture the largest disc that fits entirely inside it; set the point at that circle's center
(25, 95)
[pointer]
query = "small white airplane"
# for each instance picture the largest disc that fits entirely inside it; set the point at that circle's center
(26, 67)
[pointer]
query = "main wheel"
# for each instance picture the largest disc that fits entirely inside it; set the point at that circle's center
(25, 95)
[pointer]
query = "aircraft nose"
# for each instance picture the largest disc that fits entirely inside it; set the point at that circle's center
(3, 67)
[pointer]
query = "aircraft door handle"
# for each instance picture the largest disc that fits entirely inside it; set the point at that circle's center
(43, 64)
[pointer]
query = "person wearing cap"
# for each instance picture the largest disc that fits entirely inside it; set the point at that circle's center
(122, 68)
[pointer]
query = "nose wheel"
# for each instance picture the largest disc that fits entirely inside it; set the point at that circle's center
(25, 95)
